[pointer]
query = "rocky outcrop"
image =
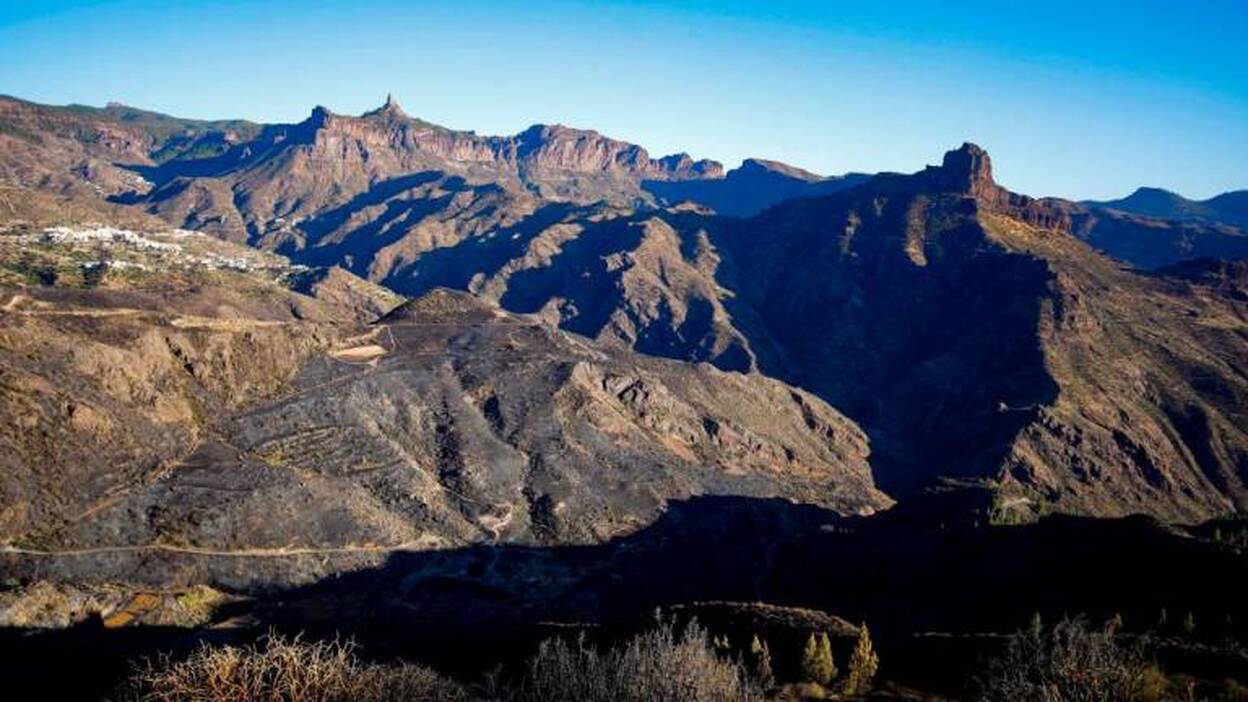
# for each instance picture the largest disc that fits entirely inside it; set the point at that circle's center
(560, 148)
(1143, 241)
(337, 182)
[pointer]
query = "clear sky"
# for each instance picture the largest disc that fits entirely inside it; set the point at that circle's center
(1079, 99)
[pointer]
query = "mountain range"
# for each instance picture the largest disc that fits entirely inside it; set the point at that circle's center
(368, 376)
(896, 333)
(1230, 208)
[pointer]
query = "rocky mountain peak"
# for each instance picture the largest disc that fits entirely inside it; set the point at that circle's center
(556, 146)
(390, 109)
(320, 116)
(967, 169)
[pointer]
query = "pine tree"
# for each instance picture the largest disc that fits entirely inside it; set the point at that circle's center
(825, 657)
(1189, 624)
(810, 656)
(760, 661)
(817, 664)
(863, 664)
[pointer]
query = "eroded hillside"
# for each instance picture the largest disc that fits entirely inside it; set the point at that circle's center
(173, 397)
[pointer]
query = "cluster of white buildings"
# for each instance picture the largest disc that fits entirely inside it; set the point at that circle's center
(112, 236)
(106, 235)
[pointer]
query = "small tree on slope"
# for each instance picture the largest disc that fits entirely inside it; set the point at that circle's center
(760, 662)
(817, 664)
(863, 664)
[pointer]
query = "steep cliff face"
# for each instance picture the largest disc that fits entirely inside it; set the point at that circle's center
(1149, 413)
(375, 193)
(556, 147)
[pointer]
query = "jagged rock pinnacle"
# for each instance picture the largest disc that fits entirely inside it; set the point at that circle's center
(391, 107)
(967, 169)
(320, 116)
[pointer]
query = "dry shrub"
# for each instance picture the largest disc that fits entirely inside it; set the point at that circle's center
(656, 665)
(285, 670)
(1072, 663)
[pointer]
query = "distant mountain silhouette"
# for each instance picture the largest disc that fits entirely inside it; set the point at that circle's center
(1228, 208)
(752, 188)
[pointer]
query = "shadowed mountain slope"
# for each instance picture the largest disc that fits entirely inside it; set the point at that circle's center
(752, 188)
(1228, 208)
(967, 328)
(1152, 227)
(973, 336)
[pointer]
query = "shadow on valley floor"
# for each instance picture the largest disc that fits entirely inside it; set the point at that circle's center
(935, 583)
(457, 265)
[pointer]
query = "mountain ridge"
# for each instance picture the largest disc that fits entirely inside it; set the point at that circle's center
(1230, 207)
(954, 321)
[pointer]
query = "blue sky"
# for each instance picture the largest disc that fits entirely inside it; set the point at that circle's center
(1077, 99)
